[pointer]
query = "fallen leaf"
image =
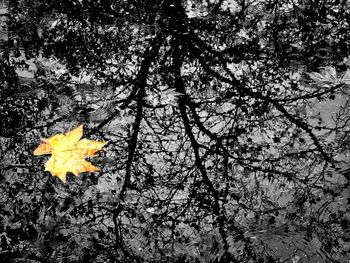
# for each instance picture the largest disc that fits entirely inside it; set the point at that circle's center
(68, 153)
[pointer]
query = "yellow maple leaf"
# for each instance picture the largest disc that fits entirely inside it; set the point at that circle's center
(68, 153)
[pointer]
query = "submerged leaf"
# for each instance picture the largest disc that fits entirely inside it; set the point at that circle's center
(346, 78)
(328, 76)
